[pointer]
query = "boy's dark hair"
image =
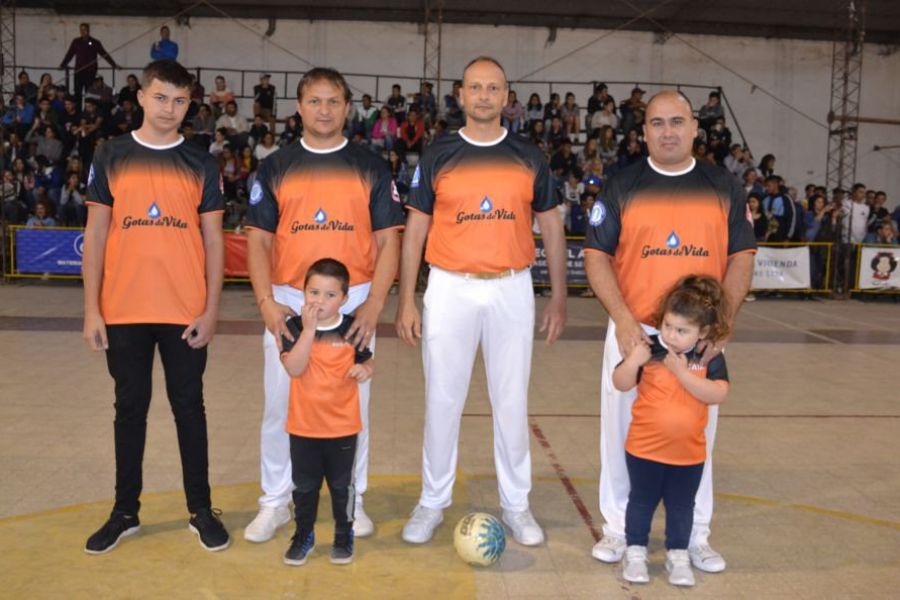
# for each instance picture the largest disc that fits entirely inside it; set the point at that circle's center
(701, 300)
(332, 76)
(167, 71)
(329, 267)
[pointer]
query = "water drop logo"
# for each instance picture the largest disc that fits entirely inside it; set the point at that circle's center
(673, 241)
(486, 205)
(320, 216)
(153, 212)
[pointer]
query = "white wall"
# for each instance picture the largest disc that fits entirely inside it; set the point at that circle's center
(796, 71)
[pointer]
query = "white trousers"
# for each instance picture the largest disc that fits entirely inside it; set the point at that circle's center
(459, 314)
(275, 447)
(615, 418)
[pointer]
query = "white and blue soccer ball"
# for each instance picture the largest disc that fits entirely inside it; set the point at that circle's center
(479, 539)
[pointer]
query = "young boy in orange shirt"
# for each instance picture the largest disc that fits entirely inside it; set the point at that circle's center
(323, 414)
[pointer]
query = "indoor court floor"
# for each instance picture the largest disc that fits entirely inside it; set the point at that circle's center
(807, 467)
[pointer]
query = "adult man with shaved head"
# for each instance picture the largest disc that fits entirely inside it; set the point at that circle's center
(473, 195)
(660, 219)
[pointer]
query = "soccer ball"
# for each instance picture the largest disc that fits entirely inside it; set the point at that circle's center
(479, 539)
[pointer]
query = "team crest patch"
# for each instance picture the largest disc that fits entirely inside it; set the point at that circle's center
(91, 175)
(395, 195)
(256, 193)
(415, 179)
(598, 214)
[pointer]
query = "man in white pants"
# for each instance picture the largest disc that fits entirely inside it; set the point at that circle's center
(319, 198)
(660, 219)
(473, 195)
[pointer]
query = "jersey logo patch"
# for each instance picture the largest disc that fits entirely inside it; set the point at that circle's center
(395, 195)
(320, 216)
(486, 205)
(91, 175)
(153, 212)
(415, 179)
(673, 241)
(256, 193)
(598, 214)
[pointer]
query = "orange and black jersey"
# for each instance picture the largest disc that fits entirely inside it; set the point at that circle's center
(668, 423)
(659, 228)
(154, 267)
(323, 205)
(324, 401)
(481, 198)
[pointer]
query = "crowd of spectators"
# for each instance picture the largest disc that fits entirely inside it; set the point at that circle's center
(50, 134)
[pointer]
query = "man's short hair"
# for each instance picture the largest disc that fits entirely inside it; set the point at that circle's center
(881, 193)
(488, 59)
(167, 71)
(679, 93)
(857, 186)
(775, 178)
(318, 74)
(329, 267)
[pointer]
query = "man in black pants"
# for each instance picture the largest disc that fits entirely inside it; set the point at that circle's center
(153, 268)
(85, 49)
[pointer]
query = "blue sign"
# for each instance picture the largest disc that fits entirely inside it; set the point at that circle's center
(55, 251)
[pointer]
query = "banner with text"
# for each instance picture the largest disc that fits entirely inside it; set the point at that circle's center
(878, 268)
(54, 251)
(781, 268)
(575, 273)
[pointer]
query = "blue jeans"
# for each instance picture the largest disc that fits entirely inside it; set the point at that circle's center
(651, 481)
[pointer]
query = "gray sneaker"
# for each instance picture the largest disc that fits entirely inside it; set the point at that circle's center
(706, 559)
(678, 564)
(610, 549)
(421, 524)
(634, 565)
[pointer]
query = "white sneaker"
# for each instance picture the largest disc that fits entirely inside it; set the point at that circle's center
(421, 524)
(267, 521)
(609, 549)
(362, 524)
(525, 529)
(635, 565)
(706, 559)
(678, 564)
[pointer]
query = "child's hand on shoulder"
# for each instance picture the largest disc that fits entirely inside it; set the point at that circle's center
(361, 372)
(640, 354)
(677, 363)
(309, 315)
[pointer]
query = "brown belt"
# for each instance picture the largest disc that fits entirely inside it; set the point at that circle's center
(500, 275)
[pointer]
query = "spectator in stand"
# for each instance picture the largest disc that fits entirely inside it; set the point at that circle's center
(718, 150)
(13, 148)
(780, 208)
(534, 112)
(884, 234)
(538, 132)
(552, 110)
(512, 115)
(556, 135)
(265, 147)
(58, 103)
(589, 152)
(72, 212)
(605, 117)
(734, 162)
(631, 154)
(234, 124)
(607, 146)
(598, 100)
(441, 130)
(164, 48)
(818, 211)
(292, 131)
(257, 131)
(425, 103)
(571, 115)
(20, 116)
(14, 209)
(89, 129)
(220, 97)
(198, 94)
(48, 144)
(563, 162)
(204, 125)
(711, 111)
(879, 211)
(384, 133)
(397, 103)
(577, 215)
(46, 88)
(41, 217)
(632, 110)
(411, 134)
(368, 114)
(27, 88)
(219, 143)
(264, 101)
(130, 90)
(766, 166)
(102, 93)
(721, 130)
(760, 220)
(855, 213)
(399, 172)
(45, 116)
(751, 182)
(85, 49)
(25, 181)
(633, 136)
(451, 111)
(230, 169)
(249, 165)
(593, 175)
(128, 118)
(49, 178)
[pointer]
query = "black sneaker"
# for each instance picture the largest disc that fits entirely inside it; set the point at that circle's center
(302, 544)
(107, 537)
(209, 529)
(342, 550)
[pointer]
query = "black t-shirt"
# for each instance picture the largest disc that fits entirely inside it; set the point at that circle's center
(265, 96)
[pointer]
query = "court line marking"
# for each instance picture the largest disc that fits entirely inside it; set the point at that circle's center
(789, 326)
(721, 416)
(876, 326)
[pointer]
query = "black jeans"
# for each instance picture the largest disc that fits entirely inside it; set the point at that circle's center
(651, 481)
(130, 362)
(313, 459)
